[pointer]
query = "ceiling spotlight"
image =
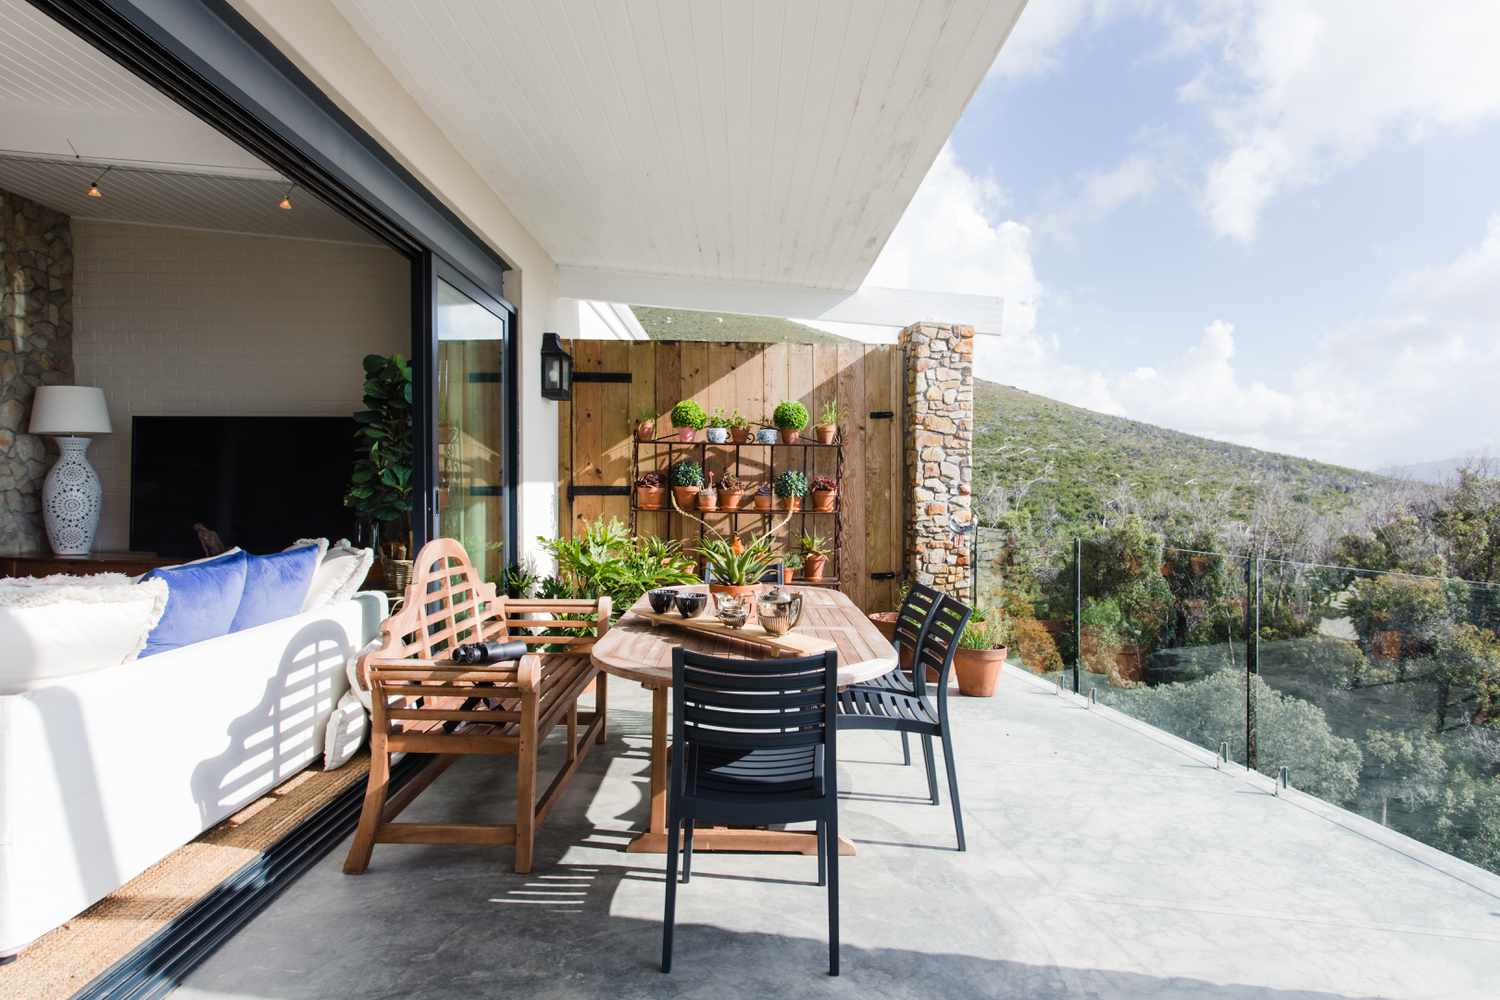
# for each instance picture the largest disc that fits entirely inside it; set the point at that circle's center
(286, 199)
(93, 191)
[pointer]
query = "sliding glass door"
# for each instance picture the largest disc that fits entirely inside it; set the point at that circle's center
(472, 470)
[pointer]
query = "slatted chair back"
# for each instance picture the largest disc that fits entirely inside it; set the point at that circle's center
(725, 706)
(939, 644)
(911, 618)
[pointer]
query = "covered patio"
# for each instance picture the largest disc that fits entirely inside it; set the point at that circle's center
(1105, 859)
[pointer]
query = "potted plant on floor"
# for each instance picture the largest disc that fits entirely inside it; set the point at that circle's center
(650, 491)
(814, 552)
(763, 499)
(790, 417)
(645, 426)
(739, 428)
(824, 492)
(688, 418)
(732, 492)
(828, 423)
(687, 480)
(380, 484)
(791, 487)
(981, 652)
(718, 427)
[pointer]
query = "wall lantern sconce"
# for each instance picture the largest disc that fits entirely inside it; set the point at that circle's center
(557, 369)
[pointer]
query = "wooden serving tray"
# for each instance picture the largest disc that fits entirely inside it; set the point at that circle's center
(794, 643)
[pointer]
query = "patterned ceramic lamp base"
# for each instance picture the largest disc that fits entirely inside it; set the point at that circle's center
(71, 499)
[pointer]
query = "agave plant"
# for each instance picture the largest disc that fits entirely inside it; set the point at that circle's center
(737, 568)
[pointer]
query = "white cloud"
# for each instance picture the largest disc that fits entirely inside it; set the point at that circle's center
(1097, 194)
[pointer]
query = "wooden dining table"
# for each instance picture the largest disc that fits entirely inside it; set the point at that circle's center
(638, 650)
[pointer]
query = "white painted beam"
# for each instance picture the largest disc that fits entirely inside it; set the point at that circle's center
(872, 306)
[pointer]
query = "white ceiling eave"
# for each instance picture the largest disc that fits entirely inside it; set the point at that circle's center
(744, 142)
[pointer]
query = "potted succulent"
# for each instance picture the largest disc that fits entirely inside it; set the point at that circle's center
(688, 418)
(718, 428)
(814, 552)
(739, 428)
(766, 434)
(645, 426)
(828, 423)
(791, 487)
(687, 481)
(650, 491)
(790, 417)
(732, 492)
(708, 497)
(981, 652)
(763, 500)
(825, 493)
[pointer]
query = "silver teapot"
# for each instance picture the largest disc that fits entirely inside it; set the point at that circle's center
(778, 610)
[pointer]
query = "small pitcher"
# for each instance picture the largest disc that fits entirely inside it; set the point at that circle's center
(779, 611)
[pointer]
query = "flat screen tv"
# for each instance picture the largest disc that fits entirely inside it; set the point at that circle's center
(260, 482)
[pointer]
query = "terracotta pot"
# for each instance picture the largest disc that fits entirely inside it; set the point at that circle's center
(762, 502)
(812, 566)
(731, 500)
(741, 435)
(685, 495)
(789, 436)
(826, 433)
(789, 503)
(645, 430)
(824, 499)
(650, 497)
(686, 434)
(708, 500)
(885, 621)
(978, 670)
(745, 592)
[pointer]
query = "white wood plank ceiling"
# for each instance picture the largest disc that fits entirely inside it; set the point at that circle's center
(741, 141)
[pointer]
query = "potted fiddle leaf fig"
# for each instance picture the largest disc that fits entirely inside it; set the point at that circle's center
(380, 484)
(791, 487)
(688, 418)
(687, 480)
(981, 652)
(790, 417)
(827, 427)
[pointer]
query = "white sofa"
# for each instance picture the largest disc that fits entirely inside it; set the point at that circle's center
(102, 774)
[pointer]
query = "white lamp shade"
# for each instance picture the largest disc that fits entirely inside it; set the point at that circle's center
(69, 409)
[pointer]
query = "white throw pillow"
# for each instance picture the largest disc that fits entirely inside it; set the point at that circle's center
(339, 575)
(60, 625)
(346, 731)
(356, 683)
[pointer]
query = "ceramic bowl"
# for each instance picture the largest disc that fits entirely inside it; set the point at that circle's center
(689, 604)
(661, 600)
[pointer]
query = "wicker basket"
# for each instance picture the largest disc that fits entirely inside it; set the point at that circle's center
(397, 574)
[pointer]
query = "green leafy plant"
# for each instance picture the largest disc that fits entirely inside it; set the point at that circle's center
(520, 579)
(380, 484)
(733, 484)
(830, 414)
(719, 419)
(737, 568)
(606, 560)
(988, 628)
(689, 414)
(790, 415)
(737, 421)
(791, 483)
(687, 473)
(813, 545)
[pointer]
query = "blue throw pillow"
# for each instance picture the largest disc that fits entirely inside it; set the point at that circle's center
(275, 586)
(202, 598)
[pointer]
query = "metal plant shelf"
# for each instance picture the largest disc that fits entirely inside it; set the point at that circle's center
(673, 446)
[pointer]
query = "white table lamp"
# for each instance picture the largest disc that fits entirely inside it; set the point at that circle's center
(71, 495)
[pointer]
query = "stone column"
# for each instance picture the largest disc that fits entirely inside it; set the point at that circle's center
(939, 448)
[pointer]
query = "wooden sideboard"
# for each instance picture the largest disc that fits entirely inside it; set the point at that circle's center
(47, 564)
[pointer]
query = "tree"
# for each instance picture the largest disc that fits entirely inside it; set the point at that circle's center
(1468, 520)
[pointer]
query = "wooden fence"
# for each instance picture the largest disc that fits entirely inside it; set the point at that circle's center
(597, 429)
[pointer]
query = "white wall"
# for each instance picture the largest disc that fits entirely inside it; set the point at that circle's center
(186, 322)
(315, 37)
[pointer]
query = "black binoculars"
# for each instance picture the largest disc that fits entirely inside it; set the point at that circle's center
(474, 654)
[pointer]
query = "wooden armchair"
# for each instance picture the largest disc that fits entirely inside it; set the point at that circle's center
(422, 702)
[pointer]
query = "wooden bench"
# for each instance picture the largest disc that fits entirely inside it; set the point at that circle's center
(422, 702)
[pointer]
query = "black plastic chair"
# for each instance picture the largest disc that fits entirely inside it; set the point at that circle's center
(911, 618)
(753, 744)
(887, 707)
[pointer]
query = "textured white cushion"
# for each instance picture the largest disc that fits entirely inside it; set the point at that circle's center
(60, 625)
(339, 575)
(346, 731)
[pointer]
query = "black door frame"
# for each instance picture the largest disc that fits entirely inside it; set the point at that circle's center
(204, 55)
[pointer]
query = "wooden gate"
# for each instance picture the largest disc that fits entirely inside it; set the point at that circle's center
(615, 383)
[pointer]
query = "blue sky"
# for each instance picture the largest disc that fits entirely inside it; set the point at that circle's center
(1268, 222)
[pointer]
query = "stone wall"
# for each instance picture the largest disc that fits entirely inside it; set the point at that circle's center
(940, 456)
(36, 348)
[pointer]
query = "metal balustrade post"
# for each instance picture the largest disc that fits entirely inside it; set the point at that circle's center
(1252, 657)
(1077, 615)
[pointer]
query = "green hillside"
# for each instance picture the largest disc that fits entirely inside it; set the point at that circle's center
(686, 324)
(1079, 459)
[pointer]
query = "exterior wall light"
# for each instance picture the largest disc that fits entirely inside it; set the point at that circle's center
(557, 369)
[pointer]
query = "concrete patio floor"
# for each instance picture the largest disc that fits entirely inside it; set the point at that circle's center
(1102, 863)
